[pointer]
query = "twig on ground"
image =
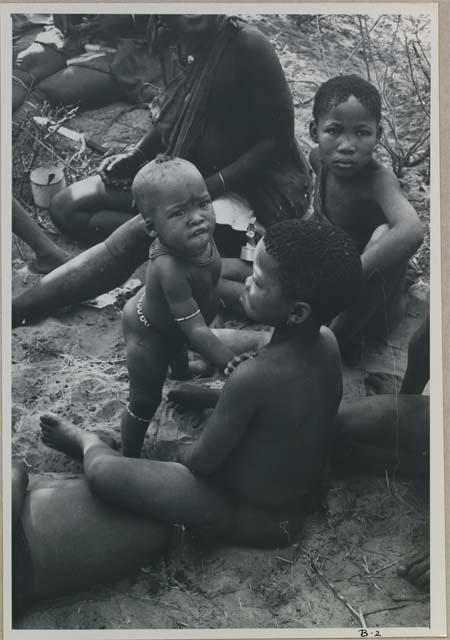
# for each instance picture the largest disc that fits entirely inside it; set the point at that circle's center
(361, 617)
(19, 249)
(284, 560)
(358, 616)
(387, 482)
(46, 147)
(386, 566)
(397, 606)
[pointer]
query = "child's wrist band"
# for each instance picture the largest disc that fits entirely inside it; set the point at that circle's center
(187, 317)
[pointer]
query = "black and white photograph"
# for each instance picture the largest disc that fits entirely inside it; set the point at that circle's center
(221, 281)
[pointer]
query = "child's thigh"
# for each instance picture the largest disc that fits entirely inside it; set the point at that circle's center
(148, 360)
(168, 492)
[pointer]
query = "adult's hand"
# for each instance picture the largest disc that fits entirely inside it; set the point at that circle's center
(122, 166)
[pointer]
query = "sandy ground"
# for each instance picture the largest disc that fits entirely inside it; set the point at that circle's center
(73, 364)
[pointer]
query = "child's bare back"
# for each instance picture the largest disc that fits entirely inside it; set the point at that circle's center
(294, 392)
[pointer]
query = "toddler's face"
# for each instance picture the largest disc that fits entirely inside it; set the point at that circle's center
(183, 215)
(263, 298)
(346, 136)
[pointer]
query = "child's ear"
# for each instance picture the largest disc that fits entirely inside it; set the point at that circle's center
(379, 131)
(313, 131)
(299, 313)
(149, 228)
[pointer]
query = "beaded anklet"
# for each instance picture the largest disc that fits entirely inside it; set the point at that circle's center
(135, 417)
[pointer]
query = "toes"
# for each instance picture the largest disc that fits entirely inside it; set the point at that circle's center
(49, 419)
(424, 580)
(417, 572)
(46, 440)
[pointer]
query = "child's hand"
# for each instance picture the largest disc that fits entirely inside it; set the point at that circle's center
(236, 361)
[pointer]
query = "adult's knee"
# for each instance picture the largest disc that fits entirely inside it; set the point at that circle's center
(61, 208)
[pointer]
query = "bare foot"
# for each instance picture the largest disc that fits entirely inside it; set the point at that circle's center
(62, 435)
(45, 263)
(191, 396)
(417, 570)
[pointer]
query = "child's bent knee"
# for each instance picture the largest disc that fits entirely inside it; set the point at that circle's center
(377, 234)
(99, 471)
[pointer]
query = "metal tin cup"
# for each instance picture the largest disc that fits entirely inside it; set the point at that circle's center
(45, 184)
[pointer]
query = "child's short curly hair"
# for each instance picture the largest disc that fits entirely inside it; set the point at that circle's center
(337, 90)
(318, 264)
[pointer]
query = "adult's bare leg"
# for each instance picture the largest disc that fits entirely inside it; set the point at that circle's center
(19, 484)
(48, 254)
(89, 211)
(384, 432)
(94, 271)
(418, 370)
(76, 540)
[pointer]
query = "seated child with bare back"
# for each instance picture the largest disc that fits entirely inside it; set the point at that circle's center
(362, 197)
(179, 298)
(257, 467)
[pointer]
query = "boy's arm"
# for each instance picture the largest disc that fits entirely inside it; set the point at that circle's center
(227, 424)
(185, 311)
(405, 233)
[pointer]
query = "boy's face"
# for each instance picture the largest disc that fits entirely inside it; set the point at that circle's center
(346, 136)
(181, 212)
(263, 298)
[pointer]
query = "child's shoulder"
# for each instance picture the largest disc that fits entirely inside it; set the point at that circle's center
(166, 266)
(380, 175)
(328, 343)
